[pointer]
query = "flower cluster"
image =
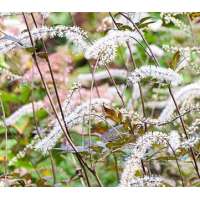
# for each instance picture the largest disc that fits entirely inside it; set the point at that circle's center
(174, 49)
(107, 111)
(190, 142)
(172, 17)
(23, 152)
(78, 116)
(194, 127)
(174, 140)
(73, 34)
(177, 142)
(161, 74)
(147, 181)
(180, 96)
(189, 56)
(104, 49)
(133, 164)
(157, 51)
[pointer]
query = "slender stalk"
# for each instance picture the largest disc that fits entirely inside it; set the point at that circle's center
(53, 168)
(140, 89)
(65, 131)
(185, 132)
(52, 104)
(157, 63)
(91, 92)
(134, 66)
(171, 94)
(52, 77)
(177, 163)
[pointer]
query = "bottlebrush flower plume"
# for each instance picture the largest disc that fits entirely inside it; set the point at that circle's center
(77, 116)
(104, 49)
(161, 74)
(133, 164)
(147, 181)
(73, 34)
(180, 96)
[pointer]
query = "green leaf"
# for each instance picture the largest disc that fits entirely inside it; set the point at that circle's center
(145, 19)
(123, 27)
(143, 25)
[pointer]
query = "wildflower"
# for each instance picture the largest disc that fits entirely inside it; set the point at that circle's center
(180, 96)
(133, 164)
(172, 17)
(157, 51)
(161, 74)
(77, 116)
(147, 181)
(190, 142)
(74, 34)
(174, 49)
(104, 49)
(23, 152)
(194, 127)
(156, 26)
(174, 140)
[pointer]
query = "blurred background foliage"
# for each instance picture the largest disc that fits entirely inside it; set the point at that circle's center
(35, 169)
